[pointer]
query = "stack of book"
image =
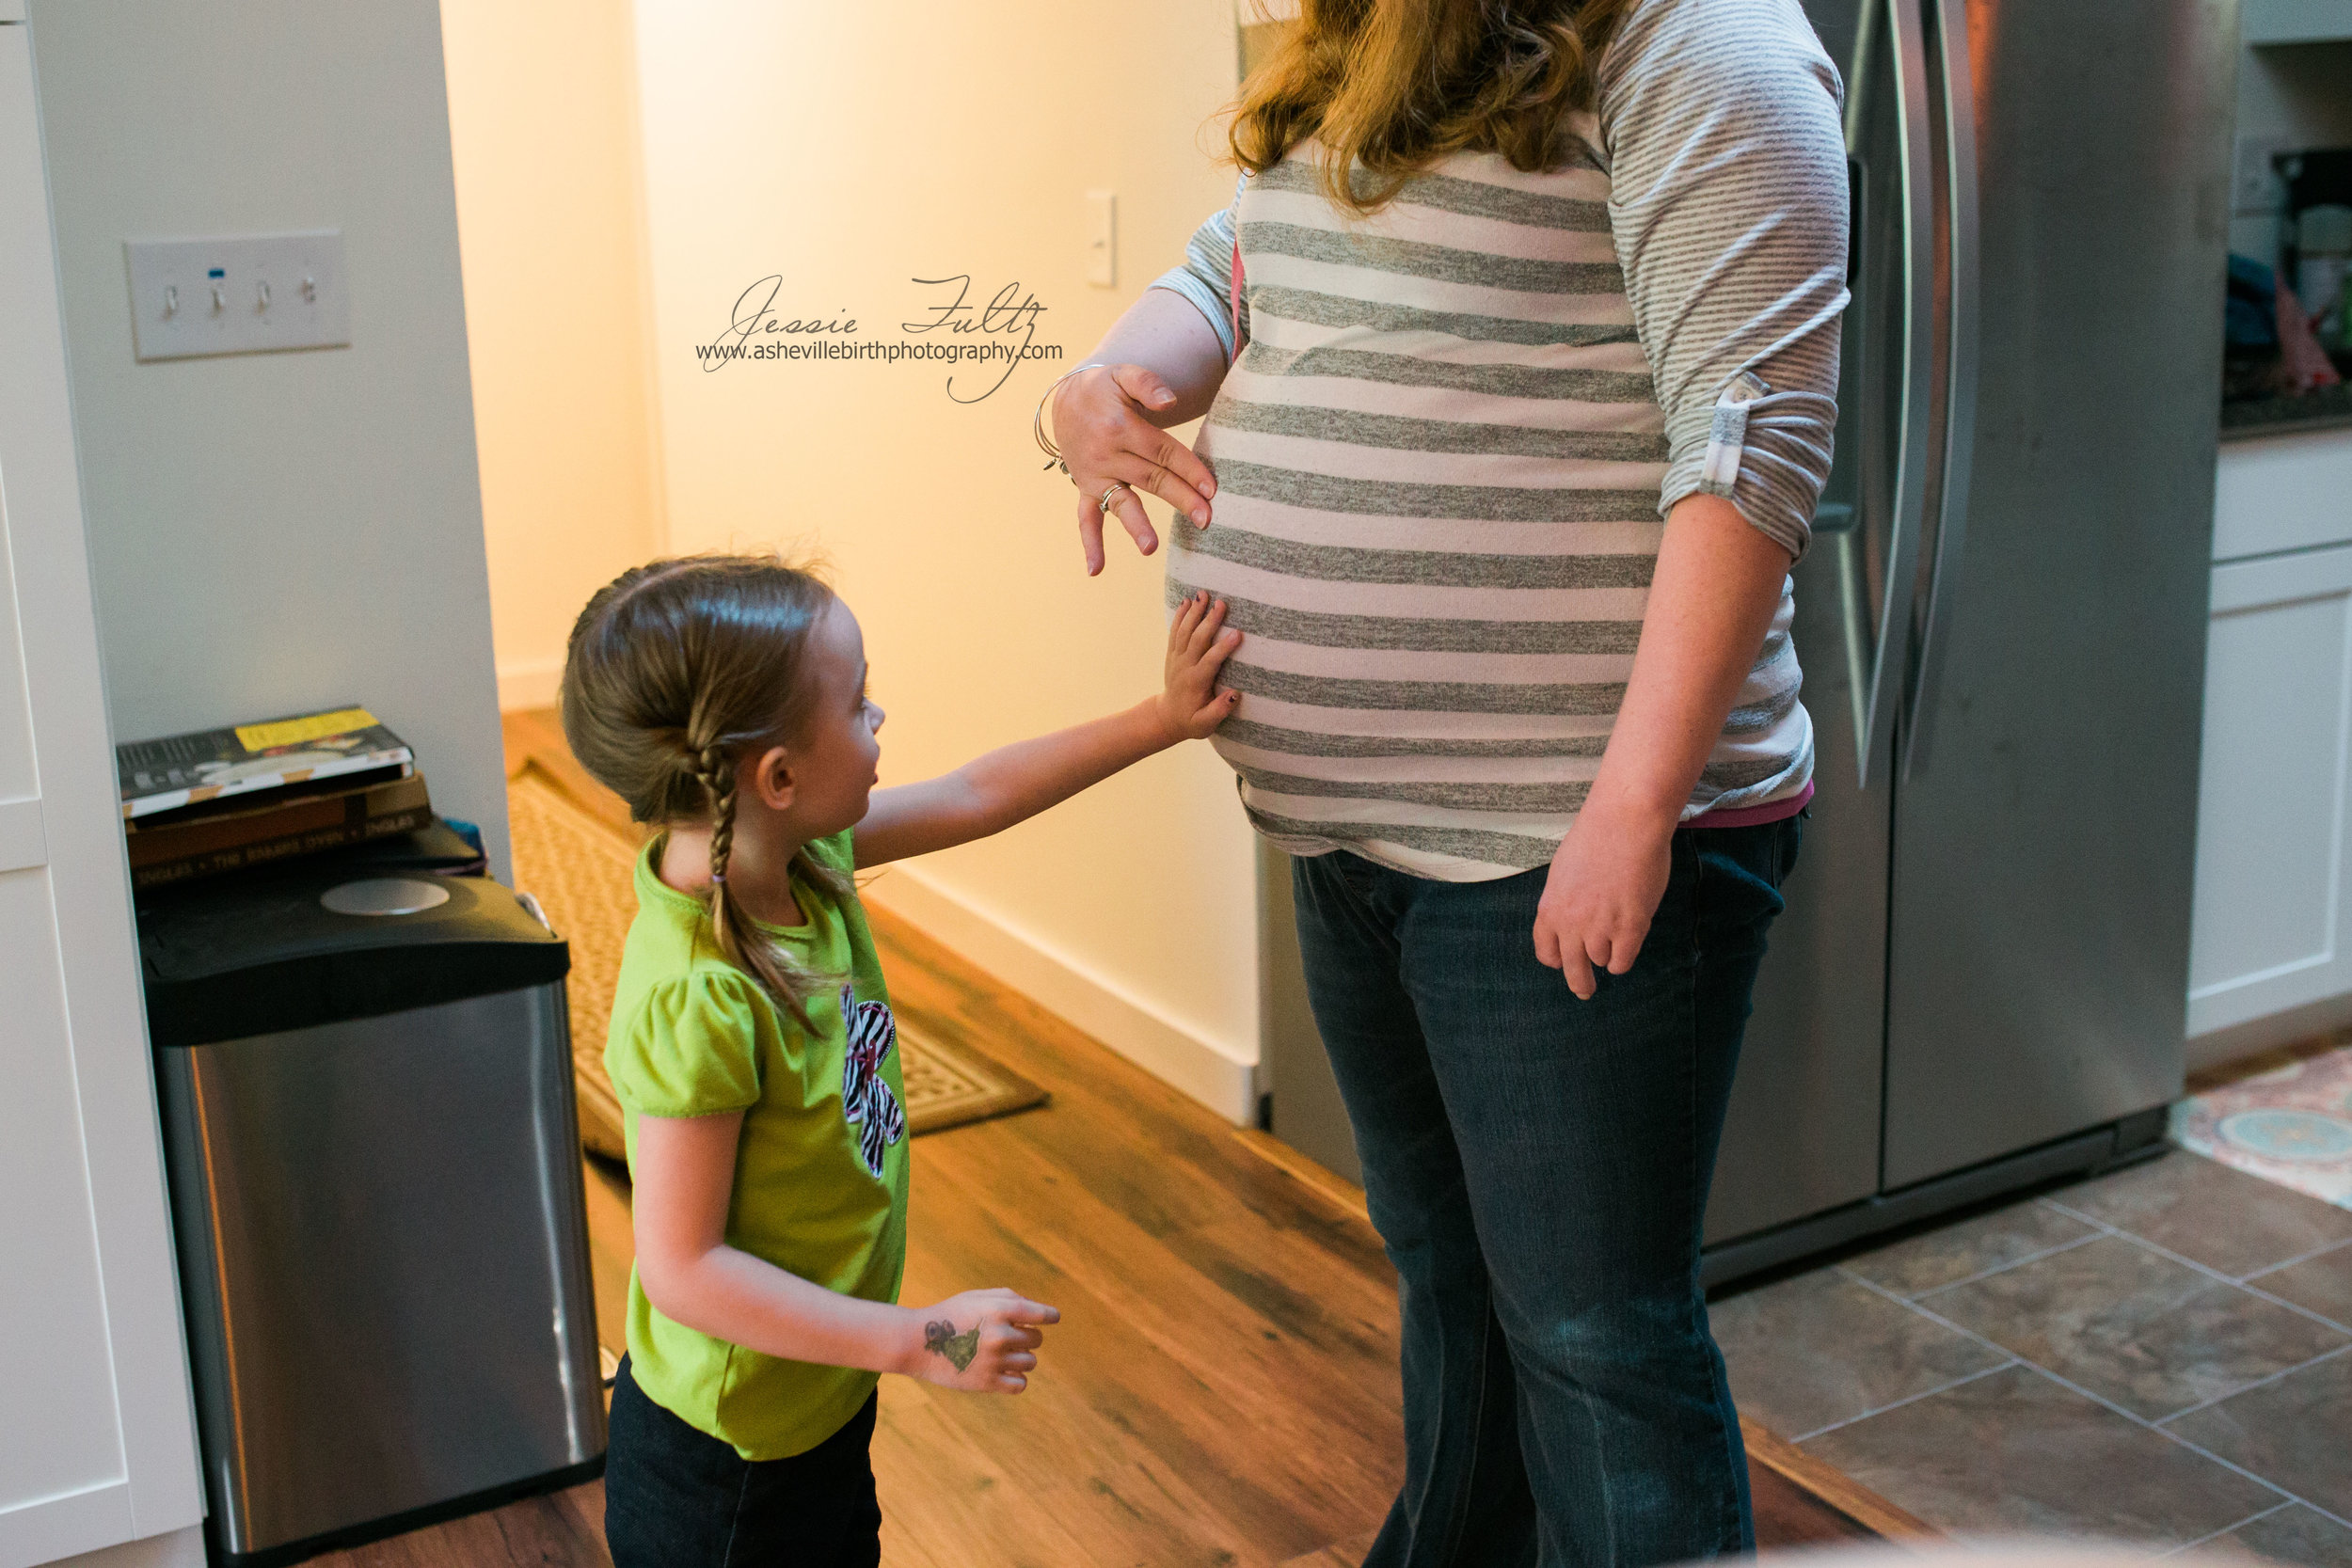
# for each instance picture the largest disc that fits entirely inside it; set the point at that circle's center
(216, 800)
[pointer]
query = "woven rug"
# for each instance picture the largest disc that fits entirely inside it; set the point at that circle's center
(2287, 1120)
(580, 871)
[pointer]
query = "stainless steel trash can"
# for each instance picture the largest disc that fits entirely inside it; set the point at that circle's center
(367, 1098)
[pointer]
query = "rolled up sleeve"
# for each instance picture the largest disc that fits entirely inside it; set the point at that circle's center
(1728, 201)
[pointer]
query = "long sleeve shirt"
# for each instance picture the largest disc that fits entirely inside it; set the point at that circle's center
(1446, 449)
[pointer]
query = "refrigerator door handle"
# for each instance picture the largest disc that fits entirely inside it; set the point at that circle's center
(1957, 437)
(1842, 520)
(1891, 645)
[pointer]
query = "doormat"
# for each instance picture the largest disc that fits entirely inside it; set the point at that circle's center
(582, 873)
(2288, 1121)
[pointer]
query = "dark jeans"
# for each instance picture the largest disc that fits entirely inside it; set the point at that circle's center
(675, 1496)
(1539, 1168)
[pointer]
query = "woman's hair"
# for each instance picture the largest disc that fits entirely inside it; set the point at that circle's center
(1396, 85)
(675, 672)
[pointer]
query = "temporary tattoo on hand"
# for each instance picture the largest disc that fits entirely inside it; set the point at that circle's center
(958, 1348)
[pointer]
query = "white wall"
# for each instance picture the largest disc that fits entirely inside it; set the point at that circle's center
(275, 533)
(853, 149)
(543, 128)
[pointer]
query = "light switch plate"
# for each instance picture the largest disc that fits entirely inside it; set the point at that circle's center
(2254, 184)
(238, 294)
(1102, 239)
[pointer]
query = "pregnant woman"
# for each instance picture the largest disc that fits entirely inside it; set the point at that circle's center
(1512, 436)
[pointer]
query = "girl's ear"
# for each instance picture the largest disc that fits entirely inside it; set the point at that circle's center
(771, 781)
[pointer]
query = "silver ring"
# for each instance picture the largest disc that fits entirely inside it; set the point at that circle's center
(1117, 485)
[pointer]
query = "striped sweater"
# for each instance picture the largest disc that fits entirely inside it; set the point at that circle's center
(1445, 451)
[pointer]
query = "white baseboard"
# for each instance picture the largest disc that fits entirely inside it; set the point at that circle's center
(2220, 1047)
(1168, 1050)
(526, 683)
(180, 1548)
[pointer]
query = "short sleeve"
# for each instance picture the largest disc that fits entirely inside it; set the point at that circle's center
(693, 1050)
(1206, 276)
(1729, 203)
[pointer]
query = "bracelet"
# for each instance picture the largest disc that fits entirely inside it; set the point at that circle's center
(1037, 420)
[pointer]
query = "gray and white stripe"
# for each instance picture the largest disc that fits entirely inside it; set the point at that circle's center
(1443, 456)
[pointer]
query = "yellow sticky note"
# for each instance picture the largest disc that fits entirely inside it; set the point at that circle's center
(293, 732)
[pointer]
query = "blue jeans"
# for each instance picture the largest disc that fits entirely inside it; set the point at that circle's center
(1538, 1167)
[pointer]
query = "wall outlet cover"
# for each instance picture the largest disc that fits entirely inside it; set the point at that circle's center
(2255, 182)
(1102, 239)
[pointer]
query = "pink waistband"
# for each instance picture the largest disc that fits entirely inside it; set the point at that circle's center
(1755, 817)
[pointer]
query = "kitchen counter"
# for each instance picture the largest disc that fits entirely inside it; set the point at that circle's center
(2321, 409)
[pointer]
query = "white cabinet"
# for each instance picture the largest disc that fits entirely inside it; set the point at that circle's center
(2269, 932)
(2278, 493)
(2272, 930)
(96, 1442)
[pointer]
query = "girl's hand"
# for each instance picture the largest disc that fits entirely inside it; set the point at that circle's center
(1198, 646)
(1602, 893)
(981, 1341)
(1100, 421)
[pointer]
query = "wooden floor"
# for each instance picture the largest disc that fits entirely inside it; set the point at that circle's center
(1222, 1388)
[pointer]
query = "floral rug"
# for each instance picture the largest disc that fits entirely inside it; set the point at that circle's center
(2289, 1123)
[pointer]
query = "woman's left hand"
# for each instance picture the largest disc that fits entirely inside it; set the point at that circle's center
(1603, 889)
(1711, 600)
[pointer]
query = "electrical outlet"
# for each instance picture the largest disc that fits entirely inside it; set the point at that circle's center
(242, 294)
(1102, 239)
(2254, 184)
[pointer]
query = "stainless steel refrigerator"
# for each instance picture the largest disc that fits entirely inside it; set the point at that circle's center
(1981, 981)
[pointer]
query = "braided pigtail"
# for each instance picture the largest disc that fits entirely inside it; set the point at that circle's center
(675, 672)
(784, 977)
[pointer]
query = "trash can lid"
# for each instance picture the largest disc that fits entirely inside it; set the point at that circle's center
(326, 940)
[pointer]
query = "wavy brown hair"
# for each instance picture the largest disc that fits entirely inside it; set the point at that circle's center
(678, 669)
(1396, 85)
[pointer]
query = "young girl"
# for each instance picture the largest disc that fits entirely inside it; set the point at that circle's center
(725, 699)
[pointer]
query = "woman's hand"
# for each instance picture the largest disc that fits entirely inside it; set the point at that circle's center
(981, 1341)
(1199, 644)
(1100, 419)
(1711, 600)
(1602, 891)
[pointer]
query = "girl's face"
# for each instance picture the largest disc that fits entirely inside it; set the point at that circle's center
(833, 761)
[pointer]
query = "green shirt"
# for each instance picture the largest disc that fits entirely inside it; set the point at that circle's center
(821, 1170)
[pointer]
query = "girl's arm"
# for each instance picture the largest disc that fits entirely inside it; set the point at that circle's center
(684, 1176)
(1014, 783)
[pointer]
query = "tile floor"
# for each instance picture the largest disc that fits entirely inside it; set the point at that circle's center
(2161, 1354)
